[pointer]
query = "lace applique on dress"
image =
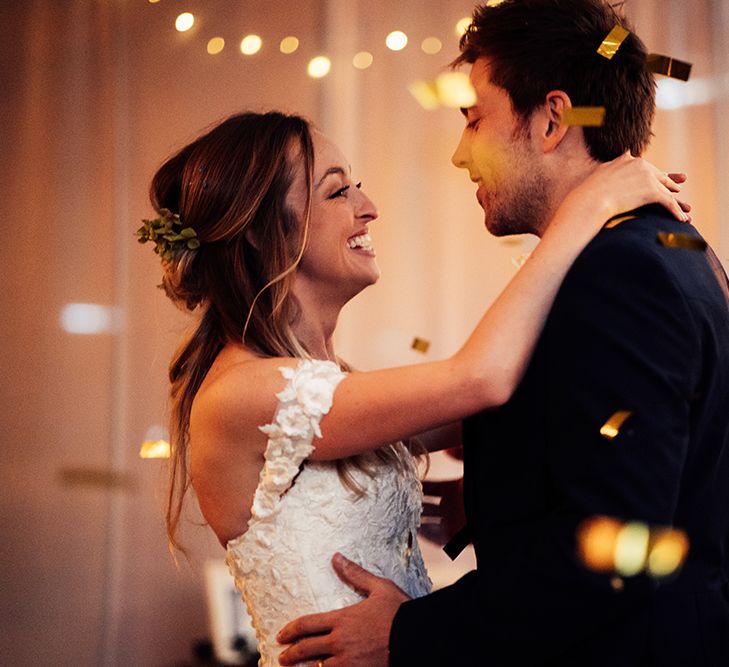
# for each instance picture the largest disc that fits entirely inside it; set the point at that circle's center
(306, 398)
(282, 563)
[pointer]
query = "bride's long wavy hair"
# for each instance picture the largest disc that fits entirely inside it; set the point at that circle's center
(231, 186)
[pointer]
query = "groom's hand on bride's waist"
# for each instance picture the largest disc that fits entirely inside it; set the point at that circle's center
(352, 636)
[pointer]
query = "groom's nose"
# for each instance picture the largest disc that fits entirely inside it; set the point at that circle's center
(462, 155)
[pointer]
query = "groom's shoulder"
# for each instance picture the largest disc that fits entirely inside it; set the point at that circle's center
(645, 235)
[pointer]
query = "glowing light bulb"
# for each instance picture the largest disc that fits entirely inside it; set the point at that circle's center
(431, 45)
(362, 60)
(216, 45)
(319, 67)
(396, 40)
(184, 22)
(250, 44)
(289, 44)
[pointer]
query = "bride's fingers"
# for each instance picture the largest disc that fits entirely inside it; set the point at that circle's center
(677, 177)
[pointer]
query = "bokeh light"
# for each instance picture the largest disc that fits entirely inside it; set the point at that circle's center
(631, 548)
(667, 553)
(455, 90)
(250, 44)
(362, 60)
(184, 22)
(462, 25)
(215, 45)
(431, 45)
(289, 44)
(396, 40)
(319, 67)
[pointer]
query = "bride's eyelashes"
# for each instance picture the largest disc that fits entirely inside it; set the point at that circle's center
(342, 192)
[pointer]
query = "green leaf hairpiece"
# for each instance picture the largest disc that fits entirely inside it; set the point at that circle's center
(168, 235)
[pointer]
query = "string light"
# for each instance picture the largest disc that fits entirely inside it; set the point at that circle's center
(216, 45)
(289, 44)
(250, 44)
(362, 60)
(431, 45)
(319, 67)
(184, 22)
(396, 40)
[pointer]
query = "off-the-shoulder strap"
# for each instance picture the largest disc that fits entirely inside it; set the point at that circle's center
(305, 399)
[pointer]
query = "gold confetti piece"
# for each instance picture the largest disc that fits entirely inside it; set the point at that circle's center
(612, 42)
(420, 344)
(668, 551)
(425, 93)
(584, 116)
(686, 241)
(667, 66)
(611, 427)
(614, 222)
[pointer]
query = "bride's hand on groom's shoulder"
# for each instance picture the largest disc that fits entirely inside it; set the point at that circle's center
(355, 636)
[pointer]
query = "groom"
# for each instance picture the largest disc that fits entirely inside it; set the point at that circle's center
(637, 340)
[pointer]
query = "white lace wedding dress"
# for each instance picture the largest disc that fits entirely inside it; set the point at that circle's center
(302, 514)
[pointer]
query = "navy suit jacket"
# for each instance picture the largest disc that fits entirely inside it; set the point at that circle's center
(636, 326)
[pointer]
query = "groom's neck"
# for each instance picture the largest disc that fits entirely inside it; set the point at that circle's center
(564, 173)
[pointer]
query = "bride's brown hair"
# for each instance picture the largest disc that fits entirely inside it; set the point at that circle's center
(230, 186)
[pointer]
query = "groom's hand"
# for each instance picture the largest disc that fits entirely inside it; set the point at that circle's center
(354, 636)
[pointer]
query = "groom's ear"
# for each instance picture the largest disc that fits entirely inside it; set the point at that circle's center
(551, 129)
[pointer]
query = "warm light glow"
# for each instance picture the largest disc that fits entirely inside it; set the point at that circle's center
(462, 25)
(596, 540)
(184, 21)
(87, 318)
(155, 449)
(362, 60)
(455, 90)
(431, 45)
(155, 444)
(667, 553)
(250, 44)
(216, 45)
(319, 67)
(152, 2)
(289, 44)
(396, 40)
(631, 548)
(425, 94)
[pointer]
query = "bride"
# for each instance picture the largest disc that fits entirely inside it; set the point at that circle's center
(293, 455)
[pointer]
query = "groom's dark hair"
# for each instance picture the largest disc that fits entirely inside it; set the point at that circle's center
(535, 46)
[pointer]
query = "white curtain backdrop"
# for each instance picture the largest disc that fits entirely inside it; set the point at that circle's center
(94, 94)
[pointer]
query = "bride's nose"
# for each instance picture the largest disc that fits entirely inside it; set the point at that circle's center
(366, 209)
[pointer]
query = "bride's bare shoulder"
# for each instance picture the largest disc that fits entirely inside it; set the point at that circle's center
(240, 389)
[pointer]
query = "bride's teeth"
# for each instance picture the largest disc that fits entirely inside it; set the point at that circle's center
(362, 241)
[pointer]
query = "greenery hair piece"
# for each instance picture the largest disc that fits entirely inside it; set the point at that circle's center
(168, 234)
